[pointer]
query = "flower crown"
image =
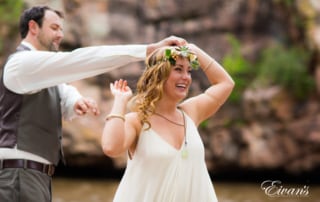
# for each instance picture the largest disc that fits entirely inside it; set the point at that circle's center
(171, 55)
(182, 51)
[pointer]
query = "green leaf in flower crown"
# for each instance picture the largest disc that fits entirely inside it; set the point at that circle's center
(172, 61)
(184, 51)
(168, 53)
(169, 57)
(194, 64)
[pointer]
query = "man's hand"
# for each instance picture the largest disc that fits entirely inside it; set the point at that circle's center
(85, 105)
(169, 41)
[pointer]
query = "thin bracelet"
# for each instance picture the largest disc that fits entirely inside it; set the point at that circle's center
(119, 116)
(207, 67)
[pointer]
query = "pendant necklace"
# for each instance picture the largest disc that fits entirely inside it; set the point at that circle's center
(173, 122)
(184, 151)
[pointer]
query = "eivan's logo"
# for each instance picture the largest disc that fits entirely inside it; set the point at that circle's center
(274, 188)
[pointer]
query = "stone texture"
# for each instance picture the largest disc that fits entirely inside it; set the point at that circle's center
(269, 130)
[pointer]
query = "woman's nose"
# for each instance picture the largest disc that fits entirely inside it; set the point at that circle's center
(186, 75)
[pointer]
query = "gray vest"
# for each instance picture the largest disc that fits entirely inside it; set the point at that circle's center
(31, 121)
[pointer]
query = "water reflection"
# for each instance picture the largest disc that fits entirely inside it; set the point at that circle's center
(83, 190)
(89, 190)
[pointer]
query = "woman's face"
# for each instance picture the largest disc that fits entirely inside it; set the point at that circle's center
(177, 85)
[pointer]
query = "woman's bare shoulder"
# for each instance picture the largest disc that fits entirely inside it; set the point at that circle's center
(133, 119)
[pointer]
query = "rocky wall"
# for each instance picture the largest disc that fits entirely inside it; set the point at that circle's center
(268, 130)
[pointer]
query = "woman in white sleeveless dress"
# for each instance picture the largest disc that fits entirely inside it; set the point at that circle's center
(165, 153)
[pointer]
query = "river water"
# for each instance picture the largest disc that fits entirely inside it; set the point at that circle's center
(95, 190)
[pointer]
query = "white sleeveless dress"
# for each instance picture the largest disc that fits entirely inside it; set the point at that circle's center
(160, 173)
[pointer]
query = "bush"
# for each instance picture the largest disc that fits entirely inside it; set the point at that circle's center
(286, 67)
(10, 12)
(278, 65)
(239, 69)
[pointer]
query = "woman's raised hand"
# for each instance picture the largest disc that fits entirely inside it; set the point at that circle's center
(121, 89)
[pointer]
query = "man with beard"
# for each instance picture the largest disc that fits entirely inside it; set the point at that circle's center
(34, 98)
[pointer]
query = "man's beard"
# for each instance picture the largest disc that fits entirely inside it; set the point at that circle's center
(47, 44)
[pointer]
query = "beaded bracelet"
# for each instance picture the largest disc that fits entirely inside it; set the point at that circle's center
(119, 116)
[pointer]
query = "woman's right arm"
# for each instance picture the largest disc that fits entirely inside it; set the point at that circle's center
(120, 131)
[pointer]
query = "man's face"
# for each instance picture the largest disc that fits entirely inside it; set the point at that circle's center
(50, 34)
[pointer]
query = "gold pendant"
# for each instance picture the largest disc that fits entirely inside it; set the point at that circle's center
(184, 153)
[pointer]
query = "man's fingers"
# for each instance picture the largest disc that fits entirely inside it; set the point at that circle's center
(81, 108)
(176, 41)
(92, 105)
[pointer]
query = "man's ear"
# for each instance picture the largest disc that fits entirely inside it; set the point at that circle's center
(33, 27)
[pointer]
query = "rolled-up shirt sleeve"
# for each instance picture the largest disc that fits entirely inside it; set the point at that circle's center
(30, 71)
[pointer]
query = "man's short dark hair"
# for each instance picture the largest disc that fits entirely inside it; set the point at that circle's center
(36, 14)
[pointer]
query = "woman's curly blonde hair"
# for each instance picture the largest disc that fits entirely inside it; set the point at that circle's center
(150, 85)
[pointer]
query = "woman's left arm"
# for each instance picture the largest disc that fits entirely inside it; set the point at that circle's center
(201, 107)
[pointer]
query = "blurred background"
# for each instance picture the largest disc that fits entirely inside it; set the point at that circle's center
(268, 132)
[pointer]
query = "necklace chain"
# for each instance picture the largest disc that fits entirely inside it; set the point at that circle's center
(175, 123)
(184, 152)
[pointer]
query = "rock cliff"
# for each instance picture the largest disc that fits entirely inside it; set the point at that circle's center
(267, 130)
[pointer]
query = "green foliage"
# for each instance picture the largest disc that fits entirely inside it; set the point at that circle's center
(286, 67)
(204, 124)
(10, 11)
(287, 3)
(239, 68)
(278, 65)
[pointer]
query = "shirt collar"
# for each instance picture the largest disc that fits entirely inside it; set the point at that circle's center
(29, 45)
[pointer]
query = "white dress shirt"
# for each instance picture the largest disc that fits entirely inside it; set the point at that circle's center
(28, 72)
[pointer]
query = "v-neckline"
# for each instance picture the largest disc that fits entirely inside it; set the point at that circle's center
(167, 143)
(182, 144)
